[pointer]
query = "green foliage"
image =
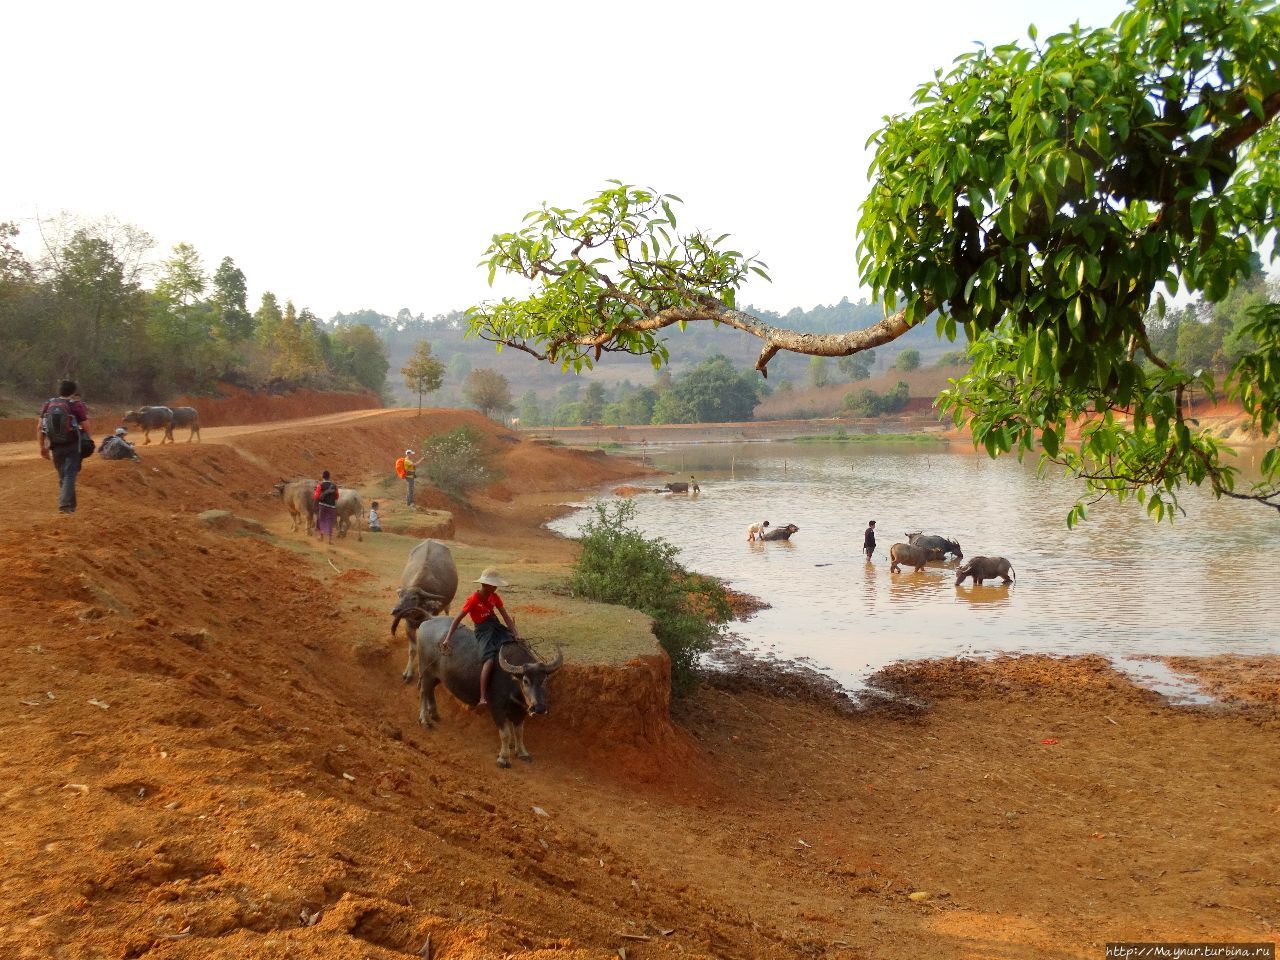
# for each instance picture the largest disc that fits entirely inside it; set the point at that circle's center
(1039, 194)
(858, 366)
(359, 354)
(529, 410)
(456, 462)
(953, 358)
(867, 403)
(712, 392)
(591, 406)
(488, 391)
(618, 564)
(907, 361)
(819, 375)
(599, 269)
(423, 373)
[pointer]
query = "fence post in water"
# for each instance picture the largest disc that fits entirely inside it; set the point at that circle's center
(732, 460)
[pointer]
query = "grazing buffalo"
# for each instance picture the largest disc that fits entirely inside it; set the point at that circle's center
(917, 557)
(185, 417)
(348, 510)
(936, 543)
(985, 568)
(298, 497)
(151, 418)
(427, 588)
(517, 689)
(780, 533)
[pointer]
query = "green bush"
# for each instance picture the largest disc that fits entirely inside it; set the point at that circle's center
(456, 462)
(867, 403)
(620, 565)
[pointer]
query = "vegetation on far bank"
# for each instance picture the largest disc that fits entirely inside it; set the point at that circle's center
(840, 436)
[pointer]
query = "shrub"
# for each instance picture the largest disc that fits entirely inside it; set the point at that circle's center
(867, 403)
(621, 565)
(456, 462)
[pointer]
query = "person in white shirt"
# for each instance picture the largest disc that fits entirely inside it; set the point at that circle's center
(756, 530)
(375, 525)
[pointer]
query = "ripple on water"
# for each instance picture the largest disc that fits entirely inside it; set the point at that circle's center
(1119, 584)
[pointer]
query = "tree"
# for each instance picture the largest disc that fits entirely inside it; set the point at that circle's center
(1037, 196)
(857, 366)
(530, 411)
(953, 358)
(488, 391)
(359, 353)
(591, 406)
(423, 373)
(819, 376)
(230, 296)
(182, 277)
(712, 392)
(907, 361)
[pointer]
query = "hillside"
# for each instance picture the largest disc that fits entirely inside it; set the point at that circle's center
(207, 752)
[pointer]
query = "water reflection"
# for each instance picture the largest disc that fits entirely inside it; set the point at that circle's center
(1119, 584)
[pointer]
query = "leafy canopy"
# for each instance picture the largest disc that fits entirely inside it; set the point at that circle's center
(1039, 195)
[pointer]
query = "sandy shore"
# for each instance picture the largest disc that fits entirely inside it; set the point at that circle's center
(206, 752)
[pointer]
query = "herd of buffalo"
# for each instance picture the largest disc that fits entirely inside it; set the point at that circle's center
(429, 585)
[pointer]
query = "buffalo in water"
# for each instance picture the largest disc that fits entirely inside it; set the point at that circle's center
(516, 690)
(780, 533)
(427, 588)
(985, 568)
(930, 542)
(905, 553)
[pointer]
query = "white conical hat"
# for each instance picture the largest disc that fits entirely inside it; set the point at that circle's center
(492, 578)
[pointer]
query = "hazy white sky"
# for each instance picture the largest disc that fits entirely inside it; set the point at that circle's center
(352, 155)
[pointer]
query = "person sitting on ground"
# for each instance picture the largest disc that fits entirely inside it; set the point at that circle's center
(869, 540)
(375, 524)
(116, 447)
(756, 530)
(490, 634)
(326, 499)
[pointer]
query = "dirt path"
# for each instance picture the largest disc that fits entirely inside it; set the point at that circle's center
(206, 751)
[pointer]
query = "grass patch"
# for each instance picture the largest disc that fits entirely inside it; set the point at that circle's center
(842, 437)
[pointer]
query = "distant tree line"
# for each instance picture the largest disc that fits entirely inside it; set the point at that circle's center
(84, 309)
(711, 392)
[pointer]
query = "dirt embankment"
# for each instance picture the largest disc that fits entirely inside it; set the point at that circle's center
(206, 751)
(231, 407)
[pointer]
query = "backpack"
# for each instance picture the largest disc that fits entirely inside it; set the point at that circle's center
(400, 470)
(328, 493)
(59, 424)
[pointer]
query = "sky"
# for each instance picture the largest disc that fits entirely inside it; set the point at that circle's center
(361, 155)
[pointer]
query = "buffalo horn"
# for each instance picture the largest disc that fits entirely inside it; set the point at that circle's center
(553, 665)
(395, 622)
(514, 670)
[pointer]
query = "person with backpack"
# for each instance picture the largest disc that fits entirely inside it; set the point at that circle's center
(326, 498)
(61, 431)
(406, 470)
(116, 447)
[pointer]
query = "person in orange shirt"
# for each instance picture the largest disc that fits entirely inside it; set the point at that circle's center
(485, 606)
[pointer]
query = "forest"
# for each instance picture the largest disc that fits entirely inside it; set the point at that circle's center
(97, 307)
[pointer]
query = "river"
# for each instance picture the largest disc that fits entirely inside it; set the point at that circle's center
(1119, 584)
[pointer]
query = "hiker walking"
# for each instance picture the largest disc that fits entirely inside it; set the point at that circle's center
(326, 497)
(63, 424)
(406, 470)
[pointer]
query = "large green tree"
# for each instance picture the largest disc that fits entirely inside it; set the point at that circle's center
(488, 391)
(1037, 195)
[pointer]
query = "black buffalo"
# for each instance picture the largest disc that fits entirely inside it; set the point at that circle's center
(985, 568)
(151, 418)
(780, 533)
(517, 688)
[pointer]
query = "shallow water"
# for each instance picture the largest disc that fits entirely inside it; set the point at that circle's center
(1120, 584)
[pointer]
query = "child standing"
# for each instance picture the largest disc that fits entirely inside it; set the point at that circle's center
(375, 525)
(869, 540)
(485, 606)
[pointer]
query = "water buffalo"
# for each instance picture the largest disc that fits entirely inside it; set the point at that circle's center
(516, 690)
(985, 568)
(679, 487)
(780, 533)
(427, 588)
(151, 418)
(349, 509)
(185, 417)
(917, 557)
(297, 496)
(936, 543)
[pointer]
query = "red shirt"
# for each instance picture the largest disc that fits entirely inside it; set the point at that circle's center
(480, 608)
